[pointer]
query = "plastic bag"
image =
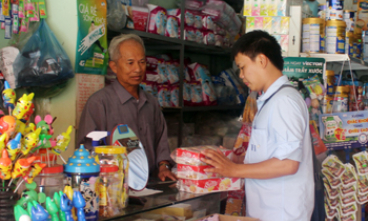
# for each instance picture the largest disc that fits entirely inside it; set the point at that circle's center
(42, 62)
(116, 16)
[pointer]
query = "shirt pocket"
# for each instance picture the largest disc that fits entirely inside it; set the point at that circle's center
(257, 149)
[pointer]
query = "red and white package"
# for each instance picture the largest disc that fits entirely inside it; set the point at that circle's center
(199, 36)
(190, 34)
(189, 18)
(157, 19)
(174, 95)
(152, 76)
(162, 95)
(162, 71)
(210, 185)
(198, 24)
(195, 172)
(196, 94)
(140, 17)
(187, 99)
(219, 30)
(193, 155)
(208, 22)
(152, 63)
(172, 72)
(219, 40)
(172, 27)
(209, 38)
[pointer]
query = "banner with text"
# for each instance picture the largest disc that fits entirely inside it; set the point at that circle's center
(303, 67)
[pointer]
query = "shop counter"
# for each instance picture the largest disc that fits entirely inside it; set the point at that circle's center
(201, 203)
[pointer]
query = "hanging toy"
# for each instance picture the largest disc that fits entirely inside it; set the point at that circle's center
(52, 209)
(62, 141)
(21, 166)
(30, 141)
(39, 213)
(7, 126)
(24, 107)
(79, 203)
(21, 214)
(9, 97)
(13, 146)
(33, 172)
(66, 206)
(57, 196)
(6, 166)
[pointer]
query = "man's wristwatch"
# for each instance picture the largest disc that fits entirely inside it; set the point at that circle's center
(164, 163)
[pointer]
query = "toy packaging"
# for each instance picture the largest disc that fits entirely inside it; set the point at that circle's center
(210, 185)
(157, 19)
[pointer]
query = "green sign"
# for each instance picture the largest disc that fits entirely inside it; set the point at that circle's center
(300, 67)
(91, 56)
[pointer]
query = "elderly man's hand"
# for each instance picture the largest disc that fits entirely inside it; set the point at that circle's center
(222, 165)
(165, 172)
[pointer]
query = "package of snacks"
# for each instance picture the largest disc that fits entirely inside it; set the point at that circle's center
(349, 177)
(331, 193)
(334, 182)
(347, 210)
(347, 191)
(195, 172)
(333, 203)
(193, 155)
(210, 185)
(361, 162)
(362, 199)
(347, 200)
(334, 166)
(362, 185)
(330, 213)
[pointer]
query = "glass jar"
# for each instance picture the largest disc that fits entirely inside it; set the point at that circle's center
(114, 155)
(110, 189)
(50, 179)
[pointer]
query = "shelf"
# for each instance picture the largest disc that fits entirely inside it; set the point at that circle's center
(202, 108)
(356, 64)
(159, 42)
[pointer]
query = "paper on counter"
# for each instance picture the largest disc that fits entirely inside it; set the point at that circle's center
(144, 192)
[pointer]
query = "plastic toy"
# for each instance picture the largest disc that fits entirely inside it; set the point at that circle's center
(52, 209)
(7, 126)
(66, 206)
(13, 146)
(9, 96)
(68, 190)
(21, 166)
(6, 166)
(62, 141)
(29, 195)
(33, 172)
(21, 214)
(39, 213)
(45, 124)
(79, 203)
(24, 106)
(2, 142)
(57, 199)
(29, 206)
(30, 141)
(46, 141)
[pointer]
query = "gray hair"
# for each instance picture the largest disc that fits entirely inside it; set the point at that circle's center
(118, 40)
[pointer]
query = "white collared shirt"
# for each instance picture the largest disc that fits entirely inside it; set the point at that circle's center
(281, 130)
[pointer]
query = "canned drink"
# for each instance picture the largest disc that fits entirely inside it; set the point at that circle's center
(335, 37)
(313, 30)
(335, 9)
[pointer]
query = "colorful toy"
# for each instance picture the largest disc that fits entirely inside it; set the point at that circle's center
(21, 214)
(79, 203)
(9, 96)
(30, 141)
(66, 206)
(62, 141)
(52, 209)
(33, 172)
(2, 142)
(45, 124)
(57, 199)
(21, 166)
(68, 190)
(13, 146)
(30, 195)
(6, 166)
(39, 213)
(7, 126)
(29, 206)
(24, 107)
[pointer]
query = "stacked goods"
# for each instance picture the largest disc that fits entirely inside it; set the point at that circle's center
(192, 174)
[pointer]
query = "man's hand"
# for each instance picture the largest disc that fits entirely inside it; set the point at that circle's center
(165, 172)
(222, 165)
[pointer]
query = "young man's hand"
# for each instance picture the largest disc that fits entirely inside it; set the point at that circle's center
(222, 165)
(164, 172)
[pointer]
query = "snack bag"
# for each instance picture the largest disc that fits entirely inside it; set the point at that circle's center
(361, 163)
(362, 185)
(314, 86)
(333, 203)
(346, 211)
(333, 181)
(347, 200)
(172, 27)
(331, 193)
(157, 19)
(195, 172)
(210, 185)
(330, 213)
(362, 198)
(174, 96)
(193, 155)
(347, 191)
(349, 177)
(334, 166)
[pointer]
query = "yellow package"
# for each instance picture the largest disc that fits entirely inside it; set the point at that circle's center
(264, 7)
(272, 8)
(267, 24)
(247, 8)
(285, 23)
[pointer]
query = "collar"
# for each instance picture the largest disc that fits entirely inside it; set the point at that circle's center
(124, 95)
(273, 88)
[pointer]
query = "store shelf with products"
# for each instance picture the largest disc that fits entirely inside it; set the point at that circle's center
(356, 64)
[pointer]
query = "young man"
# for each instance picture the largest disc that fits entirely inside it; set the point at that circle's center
(123, 102)
(278, 166)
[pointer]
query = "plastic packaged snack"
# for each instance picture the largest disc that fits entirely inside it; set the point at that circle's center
(281, 7)
(333, 203)
(209, 38)
(347, 191)
(330, 213)
(362, 184)
(349, 177)
(210, 185)
(157, 19)
(362, 198)
(333, 181)
(347, 210)
(258, 23)
(172, 27)
(195, 172)
(361, 162)
(193, 155)
(272, 8)
(189, 34)
(348, 200)
(331, 193)
(256, 8)
(267, 24)
(334, 166)
(276, 25)
(174, 96)
(264, 7)
(314, 86)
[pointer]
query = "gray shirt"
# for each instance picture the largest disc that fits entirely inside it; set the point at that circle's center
(114, 105)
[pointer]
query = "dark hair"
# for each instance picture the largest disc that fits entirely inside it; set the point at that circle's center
(259, 42)
(92, 22)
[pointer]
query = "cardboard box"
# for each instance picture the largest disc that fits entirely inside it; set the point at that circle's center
(219, 217)
(210, 185)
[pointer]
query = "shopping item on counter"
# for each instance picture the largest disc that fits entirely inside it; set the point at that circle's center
(333, 181)
(172, 27)
(42, 62)
(210, 185)
(334, 166)
(193, 155)
(157, 19)
(361, 163)
(195, 172)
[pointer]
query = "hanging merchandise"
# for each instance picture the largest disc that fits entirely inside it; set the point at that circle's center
(42, 62)
(91, 48)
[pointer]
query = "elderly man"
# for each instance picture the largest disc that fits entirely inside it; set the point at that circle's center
(123, 102)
